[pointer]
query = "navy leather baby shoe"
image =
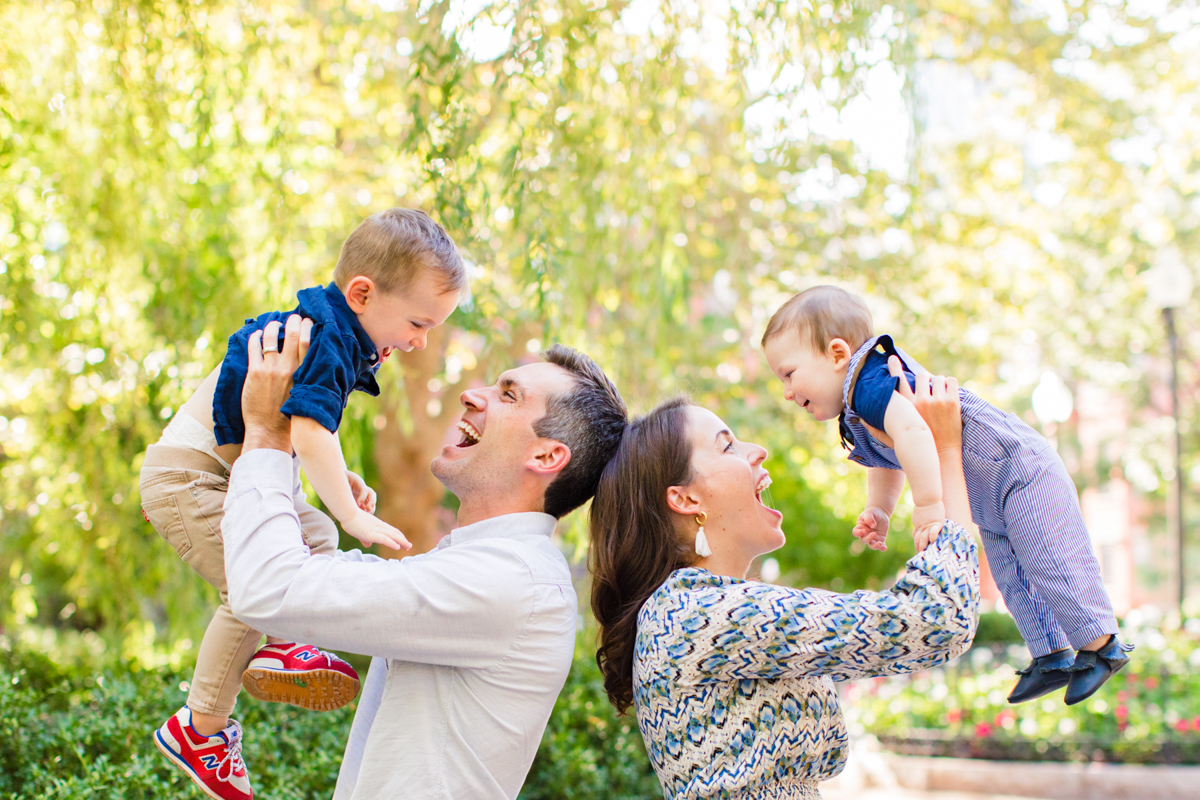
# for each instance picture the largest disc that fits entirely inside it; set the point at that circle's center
(1043, 675)
(1093, 668)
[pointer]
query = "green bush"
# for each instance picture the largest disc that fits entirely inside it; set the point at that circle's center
(80, 730)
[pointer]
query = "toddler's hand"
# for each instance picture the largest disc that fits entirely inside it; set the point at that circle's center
(364, 495)
(928, 521)
(372, 530)
(872, 528)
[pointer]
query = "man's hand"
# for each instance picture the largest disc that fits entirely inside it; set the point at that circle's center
(364, 495)
(269, 382)
(372, 530)
(872, 528)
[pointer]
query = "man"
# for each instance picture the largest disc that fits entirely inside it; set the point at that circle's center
(472, 641)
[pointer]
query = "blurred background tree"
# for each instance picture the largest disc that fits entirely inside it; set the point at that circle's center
(644, 180)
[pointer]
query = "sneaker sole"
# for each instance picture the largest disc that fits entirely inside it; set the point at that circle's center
(316, 690)
(183, 766)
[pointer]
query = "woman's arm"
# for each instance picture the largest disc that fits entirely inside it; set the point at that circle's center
(936, 400)
(746, 630)
(917, 454)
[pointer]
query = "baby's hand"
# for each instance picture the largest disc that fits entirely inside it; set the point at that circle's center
(372, 530)
(872, 528)
(364, 496)
(928, 521)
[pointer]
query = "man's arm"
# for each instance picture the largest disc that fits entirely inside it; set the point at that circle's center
(464, 608)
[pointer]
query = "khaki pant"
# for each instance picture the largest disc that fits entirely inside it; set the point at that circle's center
(183, 494)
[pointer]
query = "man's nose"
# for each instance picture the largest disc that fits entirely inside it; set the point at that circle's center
(419, 342)
(473, 399)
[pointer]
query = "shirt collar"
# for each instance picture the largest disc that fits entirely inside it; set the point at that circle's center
(337, 302)
(505, 526)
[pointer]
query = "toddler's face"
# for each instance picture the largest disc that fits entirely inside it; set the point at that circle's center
(402, 320)
(811, 380)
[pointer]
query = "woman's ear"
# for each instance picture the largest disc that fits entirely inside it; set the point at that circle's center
(682, 500)
(359, 292)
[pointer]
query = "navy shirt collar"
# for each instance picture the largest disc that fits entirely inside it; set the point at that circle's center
(337, 301)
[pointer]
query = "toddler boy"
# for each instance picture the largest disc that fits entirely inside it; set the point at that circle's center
(821, 345)
(398, 276)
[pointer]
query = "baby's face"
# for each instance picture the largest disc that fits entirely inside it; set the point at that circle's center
(811, 380)
(402, 320)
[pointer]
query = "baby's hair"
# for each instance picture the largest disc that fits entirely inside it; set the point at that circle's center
(824, 313)
(392, 247)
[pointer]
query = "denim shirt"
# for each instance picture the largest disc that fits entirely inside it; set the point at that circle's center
(340, 359)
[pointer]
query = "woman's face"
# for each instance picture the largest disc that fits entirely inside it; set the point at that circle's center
(728, 483)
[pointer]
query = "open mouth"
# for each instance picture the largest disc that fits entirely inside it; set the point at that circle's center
(470, 434)
(763, 484)
(806, 402)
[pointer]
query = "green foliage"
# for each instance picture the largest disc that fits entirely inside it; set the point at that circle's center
(80, 730)
(1147, 713)
(73, 728)
(997, 628)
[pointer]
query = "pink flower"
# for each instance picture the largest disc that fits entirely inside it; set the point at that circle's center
(983, 730)
(1182, 726)
(1122, 713)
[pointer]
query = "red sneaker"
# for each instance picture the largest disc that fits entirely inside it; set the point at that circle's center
(213, 762)
(301, 675)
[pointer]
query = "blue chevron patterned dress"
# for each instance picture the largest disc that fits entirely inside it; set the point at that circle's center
(733, 679)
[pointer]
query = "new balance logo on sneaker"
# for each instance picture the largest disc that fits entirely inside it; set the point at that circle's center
(214, 763)
(301, 675)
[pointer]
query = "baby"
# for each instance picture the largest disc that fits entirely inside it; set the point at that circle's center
(822, 346)
(398, 276)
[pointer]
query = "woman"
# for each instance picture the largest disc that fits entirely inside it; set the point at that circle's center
(732, 680)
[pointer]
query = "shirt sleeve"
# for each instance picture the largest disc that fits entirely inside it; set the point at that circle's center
(323, 381)
(758, 631)
(873, 390)
(463, 606)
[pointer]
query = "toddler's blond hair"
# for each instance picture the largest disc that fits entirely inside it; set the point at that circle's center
(394, 246)
(824, 313)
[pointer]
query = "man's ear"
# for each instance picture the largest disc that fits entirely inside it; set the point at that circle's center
(360, 291)
(549, 458)
(840, 352)
(682, 500)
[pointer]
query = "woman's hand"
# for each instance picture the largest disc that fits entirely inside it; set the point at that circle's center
(936, 400)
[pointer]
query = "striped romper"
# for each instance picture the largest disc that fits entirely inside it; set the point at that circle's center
(1022, 499)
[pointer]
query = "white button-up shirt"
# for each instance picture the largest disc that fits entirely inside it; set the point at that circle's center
(471, 642)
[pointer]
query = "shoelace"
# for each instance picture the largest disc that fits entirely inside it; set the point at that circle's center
(232, 763)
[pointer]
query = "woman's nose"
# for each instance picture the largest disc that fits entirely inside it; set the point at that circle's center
(420, 341)
(757, 454)
(788, 394)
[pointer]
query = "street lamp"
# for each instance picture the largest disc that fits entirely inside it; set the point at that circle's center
(1169, 285)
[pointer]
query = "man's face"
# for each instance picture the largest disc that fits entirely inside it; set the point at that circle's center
(497, 436)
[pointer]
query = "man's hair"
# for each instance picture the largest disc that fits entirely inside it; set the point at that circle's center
(824, 313)
(392, 247)
(590, 420)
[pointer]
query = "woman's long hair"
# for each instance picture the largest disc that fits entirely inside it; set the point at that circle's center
(634, 545)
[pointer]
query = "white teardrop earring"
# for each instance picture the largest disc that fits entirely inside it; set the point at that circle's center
(702, 548)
